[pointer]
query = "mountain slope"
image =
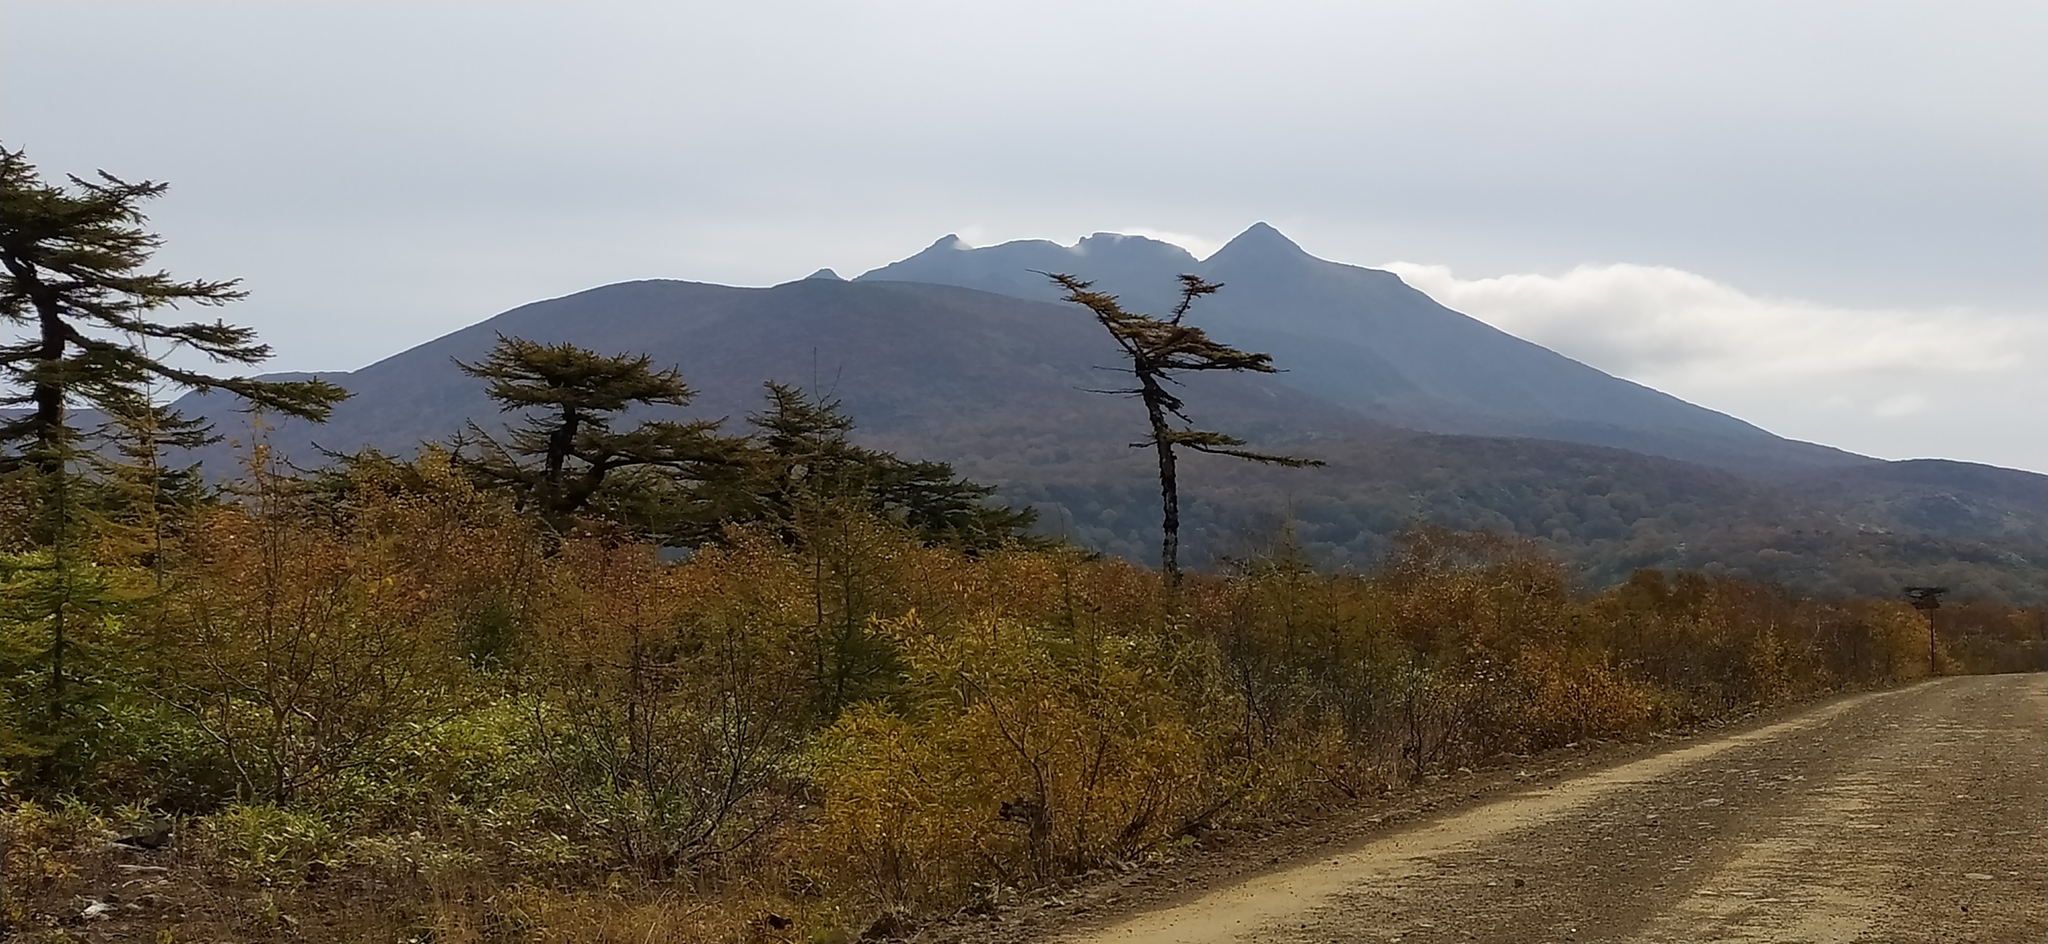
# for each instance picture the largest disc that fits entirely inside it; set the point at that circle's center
(912, 362)
(1364, 339)
(999, 386)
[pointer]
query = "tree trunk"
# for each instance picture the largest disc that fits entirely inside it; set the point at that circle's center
(561, 444)
(49, 452)
(1169, 486)
(1169, 499)
(47, 396)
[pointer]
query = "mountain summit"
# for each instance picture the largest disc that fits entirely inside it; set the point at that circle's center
(1123, 264)
(1262, 242)
(1364, 339)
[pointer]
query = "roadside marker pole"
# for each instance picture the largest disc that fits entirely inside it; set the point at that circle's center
(1927, 600)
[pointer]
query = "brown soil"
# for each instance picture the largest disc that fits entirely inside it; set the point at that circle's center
(1919, 814)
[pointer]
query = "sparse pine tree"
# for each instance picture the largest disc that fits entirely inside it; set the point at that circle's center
(1158, 349)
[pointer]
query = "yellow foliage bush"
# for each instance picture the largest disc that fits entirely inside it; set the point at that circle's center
(1026, 752)
(1569, 699)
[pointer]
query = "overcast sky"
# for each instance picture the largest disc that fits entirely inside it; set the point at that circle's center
(1830, 219)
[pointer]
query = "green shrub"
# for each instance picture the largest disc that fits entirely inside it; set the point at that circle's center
(271, 845)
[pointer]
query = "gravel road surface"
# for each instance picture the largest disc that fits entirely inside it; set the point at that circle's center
(1919, 814)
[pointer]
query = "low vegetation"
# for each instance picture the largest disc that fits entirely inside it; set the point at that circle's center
(400, 709)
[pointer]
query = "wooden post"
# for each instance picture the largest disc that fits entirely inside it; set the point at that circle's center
(1927, 600)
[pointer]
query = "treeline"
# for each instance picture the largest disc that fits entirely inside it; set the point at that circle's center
(1624, 514)
(389, 699)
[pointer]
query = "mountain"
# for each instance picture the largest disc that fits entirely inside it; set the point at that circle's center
(1139, 269)
(1363, 339)
(1000, 386)
(913, 363)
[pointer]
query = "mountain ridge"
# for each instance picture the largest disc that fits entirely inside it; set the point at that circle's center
(1365, 339)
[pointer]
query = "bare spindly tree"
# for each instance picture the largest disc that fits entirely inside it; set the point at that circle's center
(1159, 348)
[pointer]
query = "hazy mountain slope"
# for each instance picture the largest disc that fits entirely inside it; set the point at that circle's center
(911, 362)
(999, 386)
(1610, 510)
(1364, 339)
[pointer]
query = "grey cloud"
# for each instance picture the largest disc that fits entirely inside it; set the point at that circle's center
(384, 173)
(1896, 383)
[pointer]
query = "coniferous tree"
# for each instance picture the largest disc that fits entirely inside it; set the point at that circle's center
(74, 281)
(566, 458)
(804, 454)
(143, 497)
(1159, 348)
(75, 277)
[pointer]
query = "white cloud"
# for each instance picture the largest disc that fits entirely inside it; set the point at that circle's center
(1655, 321)
(1890, 382)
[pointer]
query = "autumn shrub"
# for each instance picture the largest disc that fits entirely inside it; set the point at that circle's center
(1567, 697)
(1029, 751)
(1901, 638)
(522, 736)
(301, 654)
(1325, 685)
(1984, 638)
(669, 701)
(1771, 676)
(471, 773)
(1462, 648)
(144, 751)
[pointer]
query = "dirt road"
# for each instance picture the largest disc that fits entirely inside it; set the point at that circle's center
(1912, 815)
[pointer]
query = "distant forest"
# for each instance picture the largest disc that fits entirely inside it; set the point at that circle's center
(1606, 512)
